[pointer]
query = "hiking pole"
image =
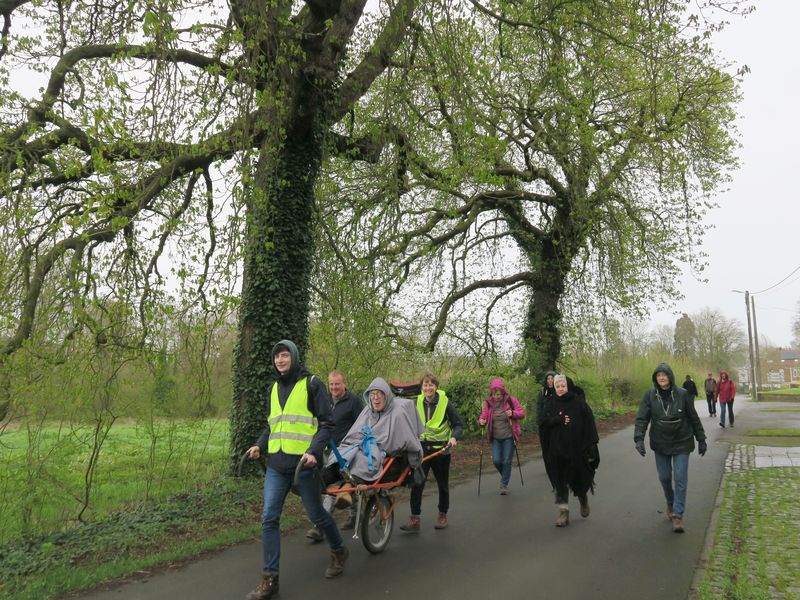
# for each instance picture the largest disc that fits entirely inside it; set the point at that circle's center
(516, 449)
(480, 467)
(519, 464)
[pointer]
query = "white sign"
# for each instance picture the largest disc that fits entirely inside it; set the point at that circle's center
(775, 377)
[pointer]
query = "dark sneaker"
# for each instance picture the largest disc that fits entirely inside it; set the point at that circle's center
(585, 510)
(268, 588)
(412, 525)
(336, 566)
(314, 534)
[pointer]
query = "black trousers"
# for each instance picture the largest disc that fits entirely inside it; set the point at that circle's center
(712, 404)
(441, 471)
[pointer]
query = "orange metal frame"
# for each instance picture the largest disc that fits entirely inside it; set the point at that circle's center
(371, 488)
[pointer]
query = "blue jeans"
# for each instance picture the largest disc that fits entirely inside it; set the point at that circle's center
(722, 406)
(276, 488)
(502, 455)
(674, 466)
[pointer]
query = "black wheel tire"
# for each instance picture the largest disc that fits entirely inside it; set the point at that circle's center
(374, 534)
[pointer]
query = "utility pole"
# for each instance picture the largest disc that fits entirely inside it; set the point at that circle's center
(750, 343)
(759, 382)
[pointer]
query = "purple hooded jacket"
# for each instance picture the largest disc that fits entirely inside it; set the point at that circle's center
(517, 412)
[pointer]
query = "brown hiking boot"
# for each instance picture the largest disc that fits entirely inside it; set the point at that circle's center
(344, 499)
(268, 588)
(585, 510)
(441, 521)
(563, 517)
(677, 523)
(336, 566)
(412, 524)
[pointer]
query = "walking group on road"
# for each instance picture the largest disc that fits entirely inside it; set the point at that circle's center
(304, 418)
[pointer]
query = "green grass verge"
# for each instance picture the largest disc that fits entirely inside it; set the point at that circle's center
(778, 410)
(756, 548)
(774, 432)
(782, 392)
(143, 537)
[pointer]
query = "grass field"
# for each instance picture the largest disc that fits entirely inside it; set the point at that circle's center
(43, 470)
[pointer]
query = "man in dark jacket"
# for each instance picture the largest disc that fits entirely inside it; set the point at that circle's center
(675, 425)
(690, 387)
(345, 407)
(298, 427)
(710, 385)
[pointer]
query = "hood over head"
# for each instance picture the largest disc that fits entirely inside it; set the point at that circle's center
(292, 348)
(546, 375)
(664, 368)
(497, 384)
(724, 373)
(379, 384)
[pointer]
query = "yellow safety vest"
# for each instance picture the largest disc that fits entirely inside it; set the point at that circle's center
(292, 427)
(437, 428)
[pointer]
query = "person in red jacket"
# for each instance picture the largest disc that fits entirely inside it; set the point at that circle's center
(725, 391)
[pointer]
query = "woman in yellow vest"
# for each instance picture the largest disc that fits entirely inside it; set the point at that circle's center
(442, 428)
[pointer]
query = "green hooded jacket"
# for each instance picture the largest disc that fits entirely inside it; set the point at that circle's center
(674, 423)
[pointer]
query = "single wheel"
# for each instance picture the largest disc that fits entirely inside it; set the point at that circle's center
(375, 533)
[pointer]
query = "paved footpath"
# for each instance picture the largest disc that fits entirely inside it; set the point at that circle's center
(508, 544)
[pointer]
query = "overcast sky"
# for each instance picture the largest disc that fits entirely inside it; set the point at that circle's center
(756, 240)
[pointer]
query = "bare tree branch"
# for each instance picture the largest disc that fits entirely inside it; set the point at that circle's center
(456, 295)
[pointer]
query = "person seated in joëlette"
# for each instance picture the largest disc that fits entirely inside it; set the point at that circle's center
(388, 426)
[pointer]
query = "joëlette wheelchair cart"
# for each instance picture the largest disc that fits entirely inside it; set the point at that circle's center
(374, 503)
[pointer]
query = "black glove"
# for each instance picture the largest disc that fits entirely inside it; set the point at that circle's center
(640, 447)
(702, 446)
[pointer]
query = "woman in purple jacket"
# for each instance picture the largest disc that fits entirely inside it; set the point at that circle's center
(501, 415)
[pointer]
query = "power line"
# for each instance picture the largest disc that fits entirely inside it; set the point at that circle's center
(777, 284)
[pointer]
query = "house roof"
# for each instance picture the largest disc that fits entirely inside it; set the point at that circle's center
(790, 354)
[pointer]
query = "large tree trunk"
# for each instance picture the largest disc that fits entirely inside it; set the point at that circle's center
(278, 263)
(551, 259)
(279, 239)
(295, 62)
(541, 335)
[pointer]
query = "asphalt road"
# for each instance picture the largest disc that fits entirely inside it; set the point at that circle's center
(496, 545)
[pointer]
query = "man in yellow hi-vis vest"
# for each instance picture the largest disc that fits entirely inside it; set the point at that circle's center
(298, 428)
(442, 428)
